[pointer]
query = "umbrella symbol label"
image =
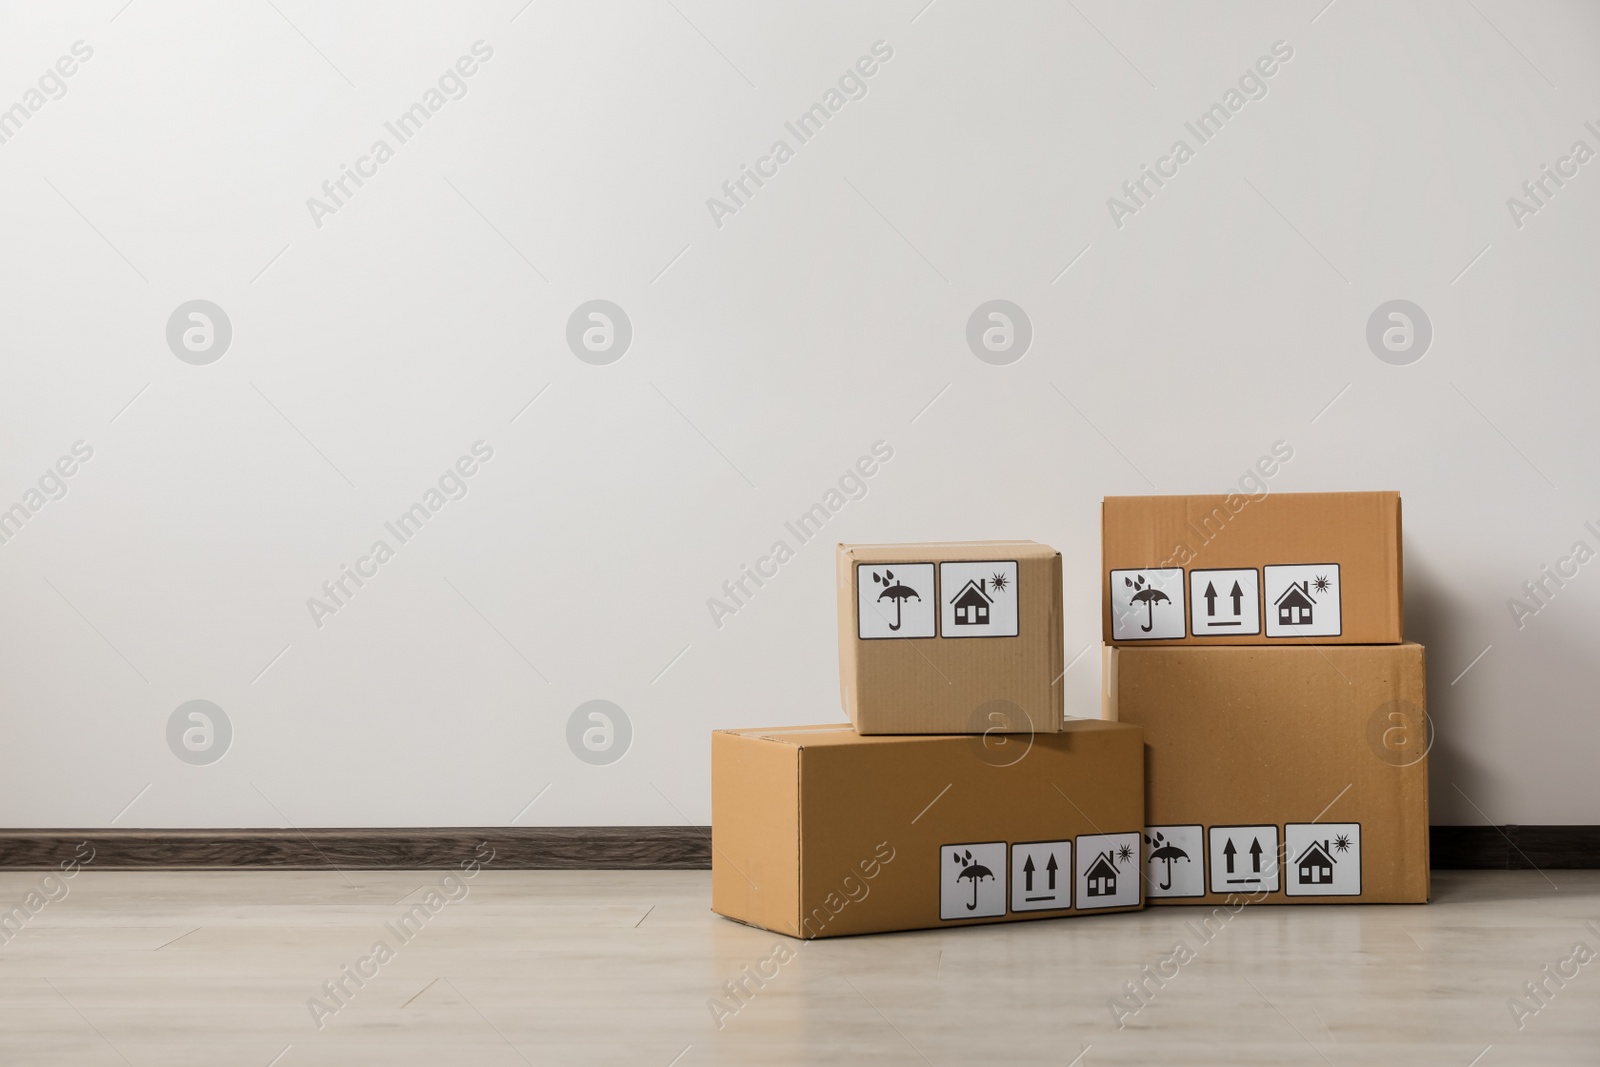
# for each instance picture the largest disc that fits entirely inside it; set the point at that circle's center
(1223, 603)
(895, 600)
(1174, 861)
(972, 880)
(1147, 604)
(979, 598)
(1041, 876)
(1302, 600)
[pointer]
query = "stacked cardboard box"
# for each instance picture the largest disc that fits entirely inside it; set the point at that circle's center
(1262, 736)
(1258, 644)
(819, 831)
(960, 793)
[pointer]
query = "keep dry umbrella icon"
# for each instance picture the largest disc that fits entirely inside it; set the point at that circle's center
(1166, 851)
(975, 871)
(1148, 596)
(895, 591)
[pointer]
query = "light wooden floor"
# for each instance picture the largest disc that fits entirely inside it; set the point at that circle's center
(576, 967)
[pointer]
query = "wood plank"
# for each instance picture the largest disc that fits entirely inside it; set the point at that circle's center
(387, 848)
(1515, 848)
(605, 848)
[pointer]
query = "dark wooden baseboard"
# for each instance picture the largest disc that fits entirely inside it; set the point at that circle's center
(1495, 848)
(551, 848)
(1515, 848)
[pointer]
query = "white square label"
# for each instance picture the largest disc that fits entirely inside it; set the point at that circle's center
(1108, 870)
(978, 599)
(1322, 859)
(972, 880)
(1244, 859)
(1174, 861)
(1041, 876)
(1303, 600)
(1147, 605)
(1224, 602)
(895, 600)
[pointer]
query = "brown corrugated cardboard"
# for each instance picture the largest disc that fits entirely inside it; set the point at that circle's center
(817, 831)
(1245, 570)
(949, 638)
(1317, 755)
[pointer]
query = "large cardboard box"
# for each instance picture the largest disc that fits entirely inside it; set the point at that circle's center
(1240, 570)
(817, 831)
(950, 638)
(1286, 774)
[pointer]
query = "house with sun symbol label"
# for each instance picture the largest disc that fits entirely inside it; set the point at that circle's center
(1322, 859)
(978, 598)
(1316, 864)
(1302, 600)
(1108, 873)
(1295, 606)
(1102, 876)
(972, 604)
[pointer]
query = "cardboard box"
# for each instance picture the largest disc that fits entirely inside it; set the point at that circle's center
(1237, 570)
(817, 831)
(951, 638)
(1312, 757)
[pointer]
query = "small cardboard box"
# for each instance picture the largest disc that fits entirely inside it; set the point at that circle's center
(817, 831)
(951, 638)
(1284, 774)
(1238, 570)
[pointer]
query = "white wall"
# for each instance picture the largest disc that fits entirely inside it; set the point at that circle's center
(769, 352)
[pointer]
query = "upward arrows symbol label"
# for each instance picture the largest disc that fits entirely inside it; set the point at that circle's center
(1027, 874)
(1228, 851)
(1238, 597)
(1255, 856)
(1050, 869)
